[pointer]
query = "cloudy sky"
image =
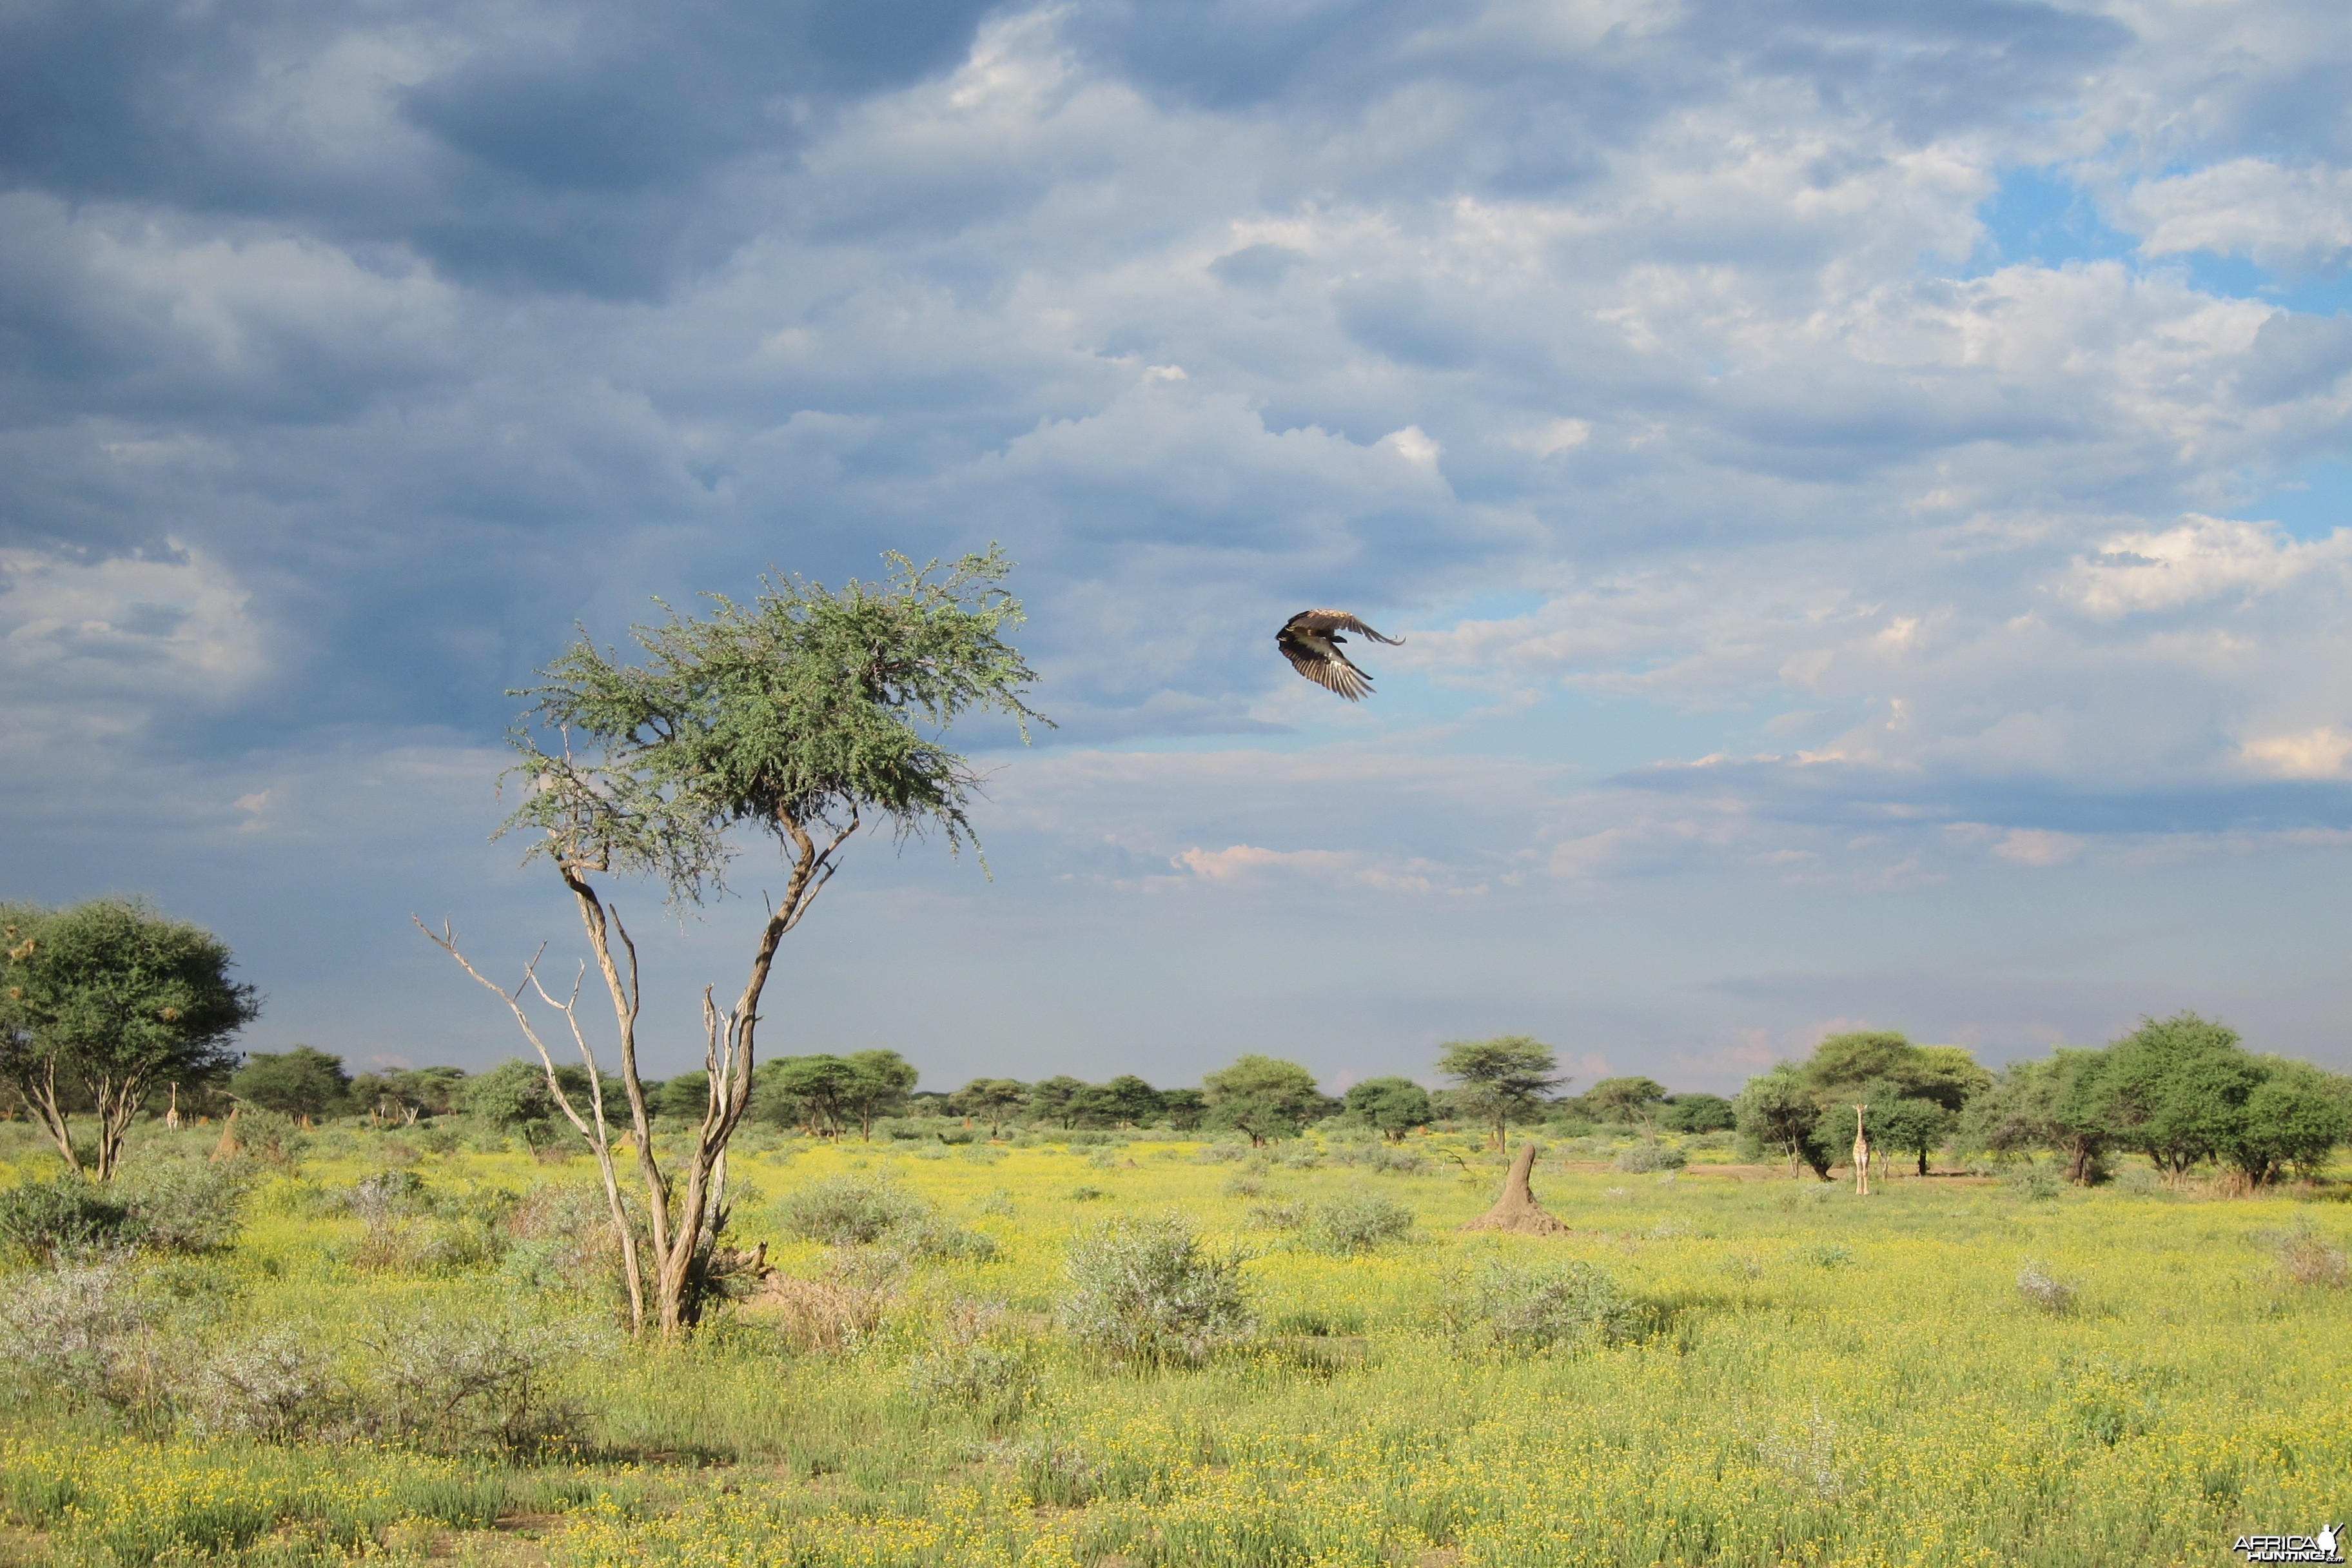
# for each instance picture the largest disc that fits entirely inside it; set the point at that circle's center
(1864, 485)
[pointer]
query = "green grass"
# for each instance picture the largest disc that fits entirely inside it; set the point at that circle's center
(1821, 1379)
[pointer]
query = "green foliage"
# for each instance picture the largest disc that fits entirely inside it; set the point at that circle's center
(2291, 1119)
(1533, 1309)
(1147, 1290)
(808, 708)
(1184, 1109)
(2176, 1089)
(2057, 1103)
(1697, 1113)
(1777, 1112)
(994, 1100)
(1391, 1106)
(514, 1094)
(163, 1206)
(1501, 1078)
(1264, 1097)
(113, 999)
(1625, 1100)
(407, 1094)
(1643, 1159)
(51, 1219)
(299, 1082)
(1355, 1222)
(849, 1210)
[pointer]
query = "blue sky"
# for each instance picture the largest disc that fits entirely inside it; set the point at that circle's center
(1865, 487)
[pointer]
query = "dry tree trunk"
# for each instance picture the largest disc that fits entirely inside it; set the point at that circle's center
(1516, 1209)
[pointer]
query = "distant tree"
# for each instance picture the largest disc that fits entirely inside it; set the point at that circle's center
(1948, 1075)
(1500, 1078)
(1128, 1102)
(102, 1001)
(1897, 1120)
(2292, 1118)
(878, 1086)
(1055, 1100)
(1841, 1064)
(1625, 1100)
(1391, 1106)
(300, 1082)
(819, 1087)
(1695, 1112)
(995, 1100)
(1265, 1097)
(403, 1094)
(515, 1094)
(2058, 1103)
(1183, 1107)
(2176, 1089)
(1778, 1111)
(685, 1097)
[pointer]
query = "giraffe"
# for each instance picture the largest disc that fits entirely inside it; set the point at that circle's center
(1861, 1155)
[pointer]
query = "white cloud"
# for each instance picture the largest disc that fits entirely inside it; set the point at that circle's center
(2298, 218)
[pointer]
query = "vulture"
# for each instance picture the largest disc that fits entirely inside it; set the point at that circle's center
(1310, 640)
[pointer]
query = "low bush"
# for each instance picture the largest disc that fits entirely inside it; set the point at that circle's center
(164, 1206)
(83, 1333)
(975, 1367)
(276, 1386)
(458, 1383)
(1147, 1290)
(1521, 1310)
(1356, 1223)
(62, 1218)
(2044, 1291)
(1643, 1159)
(1277, 1213)
(2307, 1258)
(849, 1210)
(1823, 1255)
(2036, 1183)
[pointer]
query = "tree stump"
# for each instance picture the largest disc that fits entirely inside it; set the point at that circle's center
(1516, 1209)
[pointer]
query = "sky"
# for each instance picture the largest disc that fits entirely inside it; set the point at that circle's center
(1865, 487)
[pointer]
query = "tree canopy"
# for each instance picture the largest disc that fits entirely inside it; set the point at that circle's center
(300, 1082)
(1500, 1078)
(1265, 1097)
(110, 998)
(1391, 1106)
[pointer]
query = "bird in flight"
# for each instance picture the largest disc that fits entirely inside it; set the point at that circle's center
(1310, 640)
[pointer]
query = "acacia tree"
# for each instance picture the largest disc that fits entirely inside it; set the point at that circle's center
(114, 999)
(806, 716)
(1501, 1078)
(1263, 1096)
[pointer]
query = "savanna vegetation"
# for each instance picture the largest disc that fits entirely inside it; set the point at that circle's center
(792, 1309)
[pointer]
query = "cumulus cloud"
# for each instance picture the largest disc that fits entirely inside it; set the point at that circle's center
(1757, 521)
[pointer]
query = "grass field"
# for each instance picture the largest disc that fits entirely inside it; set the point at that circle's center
(1815, 1378)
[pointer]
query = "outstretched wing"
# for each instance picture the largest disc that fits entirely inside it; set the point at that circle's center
(1324, 664)
(1327, 621)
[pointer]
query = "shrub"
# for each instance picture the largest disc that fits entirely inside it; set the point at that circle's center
(62, 1217)
(2035, 1184)
(2306, 1257)
(1277, 1213)
(1510, 1309)
(1643, 1158)
(843, 1211)
(1086, 1195)
(942, 1238)
(1355, 1222)
(2043, 1290)
(1244, 1186)
(276, 1387)
(84, 1333)
(185, 1205)
(1147, 1291)
(458, 1383)
(1823, 1255)
(970, 1368)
